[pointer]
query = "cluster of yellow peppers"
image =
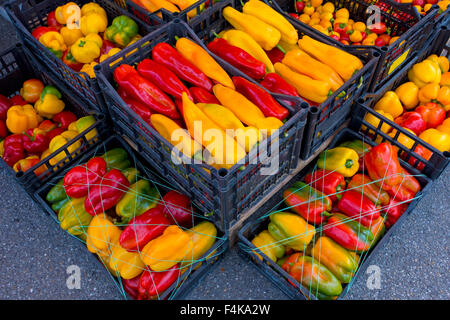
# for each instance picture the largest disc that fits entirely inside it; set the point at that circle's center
(315, 69)
(169, 5)
(174, 246)
(429, 81)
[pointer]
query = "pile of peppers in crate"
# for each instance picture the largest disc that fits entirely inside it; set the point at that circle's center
(31, 133)
(145, 240)
(83, 47)
(179, 86)
(337, 213)
(169, 5)
(421, 105)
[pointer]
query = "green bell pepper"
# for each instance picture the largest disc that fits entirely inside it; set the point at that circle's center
(131, 174)
(116, 158)
(122, 30)
(57, 196)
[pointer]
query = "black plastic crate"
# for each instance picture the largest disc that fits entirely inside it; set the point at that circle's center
(198, 270)
(258, 222)
(325, 119)
(29, 14)
(19, 65)
(403, 21)
(223, 192)
(432, 167)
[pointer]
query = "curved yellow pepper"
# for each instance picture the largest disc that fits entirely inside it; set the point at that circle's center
(408, 95)
(86, 49)
(264, 34)
(70, 35)
(425, 72)
(390, 103)
(438, 139)
(429, 92)
(170, 248)
(268, 245)
(21, 118)
(184, 4)
(60, 141)
(268, 15)
(101, 234)
(127, 264)
(375, 121)
(203, 236)
(64, 12)
(268, 126)
(93, 22)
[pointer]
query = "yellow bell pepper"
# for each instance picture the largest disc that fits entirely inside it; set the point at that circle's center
(268, 15)
(86, 49)
(444, 126)
(438, 139)
(53, 41)
(408, 95)
(375, 121)
(110, 53)
(429, 92)
(341, 159)
(85, 122)
(224, 150)
(345, 64)
(101, 234)
(445, 79)
(93, 23)
(92, 7)
(443, 96)
(425, 72)
(403, 139)
(88, 68)
(314, 90)
(184, 4)
(390, 103)
(442, 62)
(60, 141)
(126, 264)
(244, 41)
(170, 248)
(70, 36)
(264, 34)
(176, 135)
(202, 60)
(299, 61)
(50, 102)
(203, 236)
(21, 118)
(69, 10)
(268, 245)
(443, 5)
(73, 217)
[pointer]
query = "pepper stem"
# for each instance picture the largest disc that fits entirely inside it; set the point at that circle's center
(177, 37)
(349, 163)
(281, 48)
(215, 34)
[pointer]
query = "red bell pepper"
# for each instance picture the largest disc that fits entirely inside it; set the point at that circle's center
(350, 234)
(394, 211)
(145, 91)
(13, 149)
(106, 46)
(359, 207)
(35, 142)
(162, 77)
(364, 185)
(143, 228)
(131, 286)
(260, 97)
(70, 61)
(238, 58)
(168, 56)
(432, 113)
(138, 107)
(275, 55)
(64, 119)
(381, 163)
(107, 193)
(420, 151)
(51, 20)
(276, 84)
(406, 189)
(177, 208)
(17, 100)
(5, 104)
(80, 179)
(152, 284)
(378, 28)
(3, 129)
(201, 95)
(412, 120)
(329, 182)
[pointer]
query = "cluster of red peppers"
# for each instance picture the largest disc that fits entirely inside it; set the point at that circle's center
(341, 210)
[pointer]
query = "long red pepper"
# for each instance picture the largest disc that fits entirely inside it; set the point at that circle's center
(145, 91)
(164, 79)
(355, 205)
(168, 56)
(138, 107)
(329, 182)
(203, 96)
(152, 284)
(276, 84)
(238, 58)
(268, 105)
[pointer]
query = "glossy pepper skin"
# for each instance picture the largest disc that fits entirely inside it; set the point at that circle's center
(152, 284)
(137, 106)
(73, 217)
(406, 189)
(177, 208)
(21, 118)
(390, 103)
(107, 193)
(408, 95)
(79, 179)
(342, 263)
(50, 102)
(35, 142)
(307, 202)
(438, 139)
(145, 91)
(425, 72)
(340, 159)
(201, 58)
(291, 230)
(381, 163)
(412, 120)
(313, 275)
(102, 235)
(87, 49)
(168, 56)
(276, 84)
(201, 95)
(28, 163)
(328, 182)
(122, 30)
(360, 148)
(357, 206)
(54, 42)
(5, 104)
(348, 233)
(144, 228)
(13, 149)
(139, 198)
(364, 185)
(165, 79)
(64, 119)
(265, 102)
(131, 286)
(203, 236)
(170, 248)
(432, 113)
(57, 196)
(61, 140)
(394, 211)
(124, 263)
(268, 245)
(238, 58)
(31, 90)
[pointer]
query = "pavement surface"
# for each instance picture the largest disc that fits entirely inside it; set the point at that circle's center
(35, 254)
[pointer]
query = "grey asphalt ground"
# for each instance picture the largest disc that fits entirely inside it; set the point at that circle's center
(35, 254)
